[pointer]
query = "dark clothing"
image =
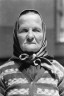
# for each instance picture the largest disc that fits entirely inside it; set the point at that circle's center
(33, 80)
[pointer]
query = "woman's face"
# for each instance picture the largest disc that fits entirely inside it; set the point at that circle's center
(30, 33)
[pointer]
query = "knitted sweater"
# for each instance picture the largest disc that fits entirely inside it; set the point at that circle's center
(32, 81)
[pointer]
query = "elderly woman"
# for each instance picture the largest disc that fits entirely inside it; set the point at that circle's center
(31, 71)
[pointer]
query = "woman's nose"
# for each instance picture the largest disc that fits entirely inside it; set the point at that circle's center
(30, 36)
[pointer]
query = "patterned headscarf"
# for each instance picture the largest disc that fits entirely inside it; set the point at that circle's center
(17, 51)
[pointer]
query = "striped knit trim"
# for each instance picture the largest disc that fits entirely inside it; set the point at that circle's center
(8, 71)
(48, 81)
(57, 69)
(56, 63)
(7, 64)
(47, 92)
(39, 91)
(23, 91)
(17, 81)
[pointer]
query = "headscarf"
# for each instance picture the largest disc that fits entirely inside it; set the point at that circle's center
(29, 56)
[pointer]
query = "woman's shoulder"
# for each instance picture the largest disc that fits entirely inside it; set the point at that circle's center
(54, 66)
(9, 64)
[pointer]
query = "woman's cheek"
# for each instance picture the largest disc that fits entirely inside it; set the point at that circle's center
(21, 39)
(39, 38)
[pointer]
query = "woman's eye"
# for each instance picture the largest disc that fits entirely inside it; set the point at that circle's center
(24, 30)
(36, 30)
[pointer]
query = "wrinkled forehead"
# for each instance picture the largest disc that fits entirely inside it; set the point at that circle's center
(30, 17)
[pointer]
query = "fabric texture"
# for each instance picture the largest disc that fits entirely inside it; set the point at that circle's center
(31, 74)
(32, 80)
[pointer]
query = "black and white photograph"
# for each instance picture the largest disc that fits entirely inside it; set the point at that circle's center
(31, 47)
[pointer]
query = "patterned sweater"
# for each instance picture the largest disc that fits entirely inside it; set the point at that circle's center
(32, 81)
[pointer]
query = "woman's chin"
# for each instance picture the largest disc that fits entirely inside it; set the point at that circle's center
(30, 49)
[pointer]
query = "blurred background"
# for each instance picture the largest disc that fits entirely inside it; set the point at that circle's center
(52, 12)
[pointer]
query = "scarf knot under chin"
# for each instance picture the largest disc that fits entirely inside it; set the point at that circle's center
(32, 60)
